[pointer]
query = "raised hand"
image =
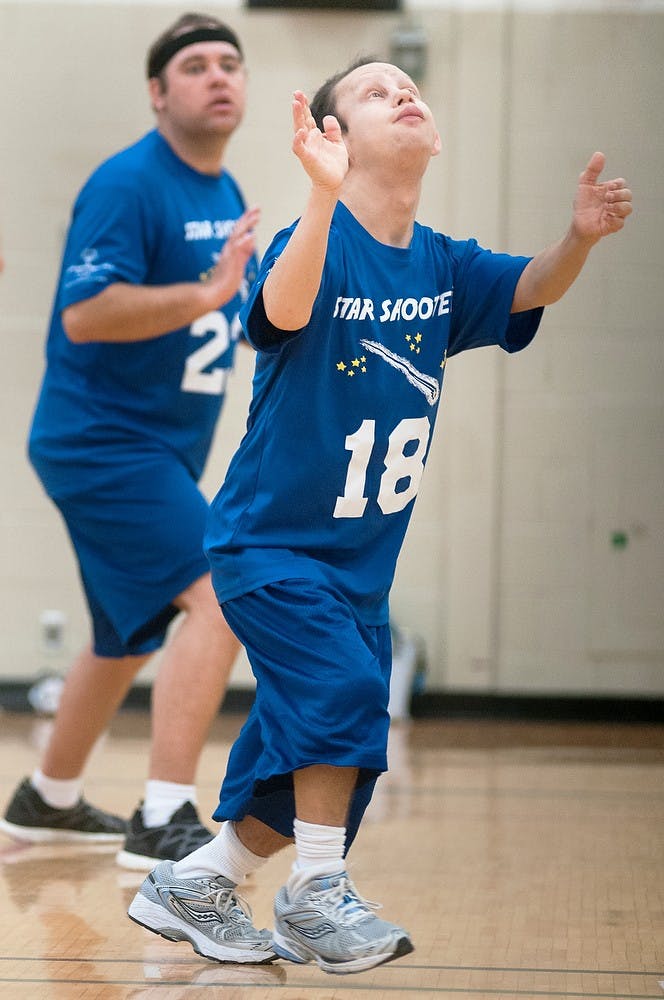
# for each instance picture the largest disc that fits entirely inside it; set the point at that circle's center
(227, 274)
(600, 208)
(322, 154)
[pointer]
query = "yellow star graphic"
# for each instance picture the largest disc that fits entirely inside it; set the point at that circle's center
(341, 367)
(407, 336)
(418, 337)
(356, 362)
(363, 359)
(413, 348)
(350, 372)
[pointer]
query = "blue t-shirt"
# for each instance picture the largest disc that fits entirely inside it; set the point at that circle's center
(144, 217)
(324, 481)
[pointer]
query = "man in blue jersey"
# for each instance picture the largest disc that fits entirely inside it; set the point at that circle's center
(158, 259)
(355, 312)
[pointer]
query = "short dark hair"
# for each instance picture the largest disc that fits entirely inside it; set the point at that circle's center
(325, 99)
(155, 61)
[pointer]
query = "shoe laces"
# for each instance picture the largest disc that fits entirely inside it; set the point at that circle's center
(226, 900)
(349, 907)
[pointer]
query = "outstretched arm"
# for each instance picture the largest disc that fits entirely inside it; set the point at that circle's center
(291, 287)
(599, 210)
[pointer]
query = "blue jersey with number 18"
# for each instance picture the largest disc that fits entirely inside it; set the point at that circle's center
(146, 218)
(323, 483)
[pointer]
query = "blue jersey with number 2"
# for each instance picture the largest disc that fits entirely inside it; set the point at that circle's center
(146, 218)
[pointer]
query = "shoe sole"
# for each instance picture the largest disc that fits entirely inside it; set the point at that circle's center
(49, 835)
(138, 862)
(284, 949)
(160, 921)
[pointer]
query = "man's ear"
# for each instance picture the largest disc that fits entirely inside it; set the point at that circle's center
(156, 92)
(437, 145)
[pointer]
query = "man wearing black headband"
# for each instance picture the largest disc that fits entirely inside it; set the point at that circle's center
(159, 257)
(183, 33)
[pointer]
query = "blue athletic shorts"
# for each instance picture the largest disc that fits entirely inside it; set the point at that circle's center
(138, 538)
(322, 690)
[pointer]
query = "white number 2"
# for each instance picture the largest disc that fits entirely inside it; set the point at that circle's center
(195, 377)
(399, 467)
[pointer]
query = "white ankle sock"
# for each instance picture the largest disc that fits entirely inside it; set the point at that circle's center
(56, 792)
(320, 851)
(225, 855)
(163, 798)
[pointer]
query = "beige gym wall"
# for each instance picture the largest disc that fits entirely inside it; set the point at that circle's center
(535, 559)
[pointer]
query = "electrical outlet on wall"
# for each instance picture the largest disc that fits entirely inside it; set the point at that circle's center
(481, 670)
(52, 630)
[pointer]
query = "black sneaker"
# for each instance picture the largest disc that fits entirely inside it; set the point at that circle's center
(29, 818)
(146, 846)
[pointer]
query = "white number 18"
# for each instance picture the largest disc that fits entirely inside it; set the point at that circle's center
(398, 467)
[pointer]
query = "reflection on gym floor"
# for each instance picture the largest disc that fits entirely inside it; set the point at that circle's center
(527, 860)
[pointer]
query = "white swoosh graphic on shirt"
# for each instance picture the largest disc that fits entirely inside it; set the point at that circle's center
(427, 385)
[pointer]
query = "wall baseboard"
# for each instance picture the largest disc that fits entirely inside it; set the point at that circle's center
(536, 708)
(432, 705)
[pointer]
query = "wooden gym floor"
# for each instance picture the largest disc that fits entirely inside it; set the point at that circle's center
(527, 861)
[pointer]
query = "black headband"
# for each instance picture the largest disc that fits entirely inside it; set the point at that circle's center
(165, 52)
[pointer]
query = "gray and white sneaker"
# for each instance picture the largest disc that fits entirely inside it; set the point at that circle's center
(327, 921)
(206, 912)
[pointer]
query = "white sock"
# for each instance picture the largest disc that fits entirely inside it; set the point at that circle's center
(57, 792)
(163, 798)
(225, 855)
(320, 851)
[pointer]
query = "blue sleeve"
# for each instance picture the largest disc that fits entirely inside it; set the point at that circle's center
(260, 333)
(108, 239)
(484, 285)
